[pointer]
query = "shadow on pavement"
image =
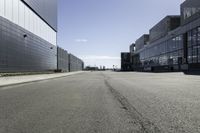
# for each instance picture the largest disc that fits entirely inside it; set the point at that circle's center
(197, 73)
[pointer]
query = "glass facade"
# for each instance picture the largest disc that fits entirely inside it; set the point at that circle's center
(194, 46)
(190, 11)
(20, 14)
(169, 52)
(174, 44)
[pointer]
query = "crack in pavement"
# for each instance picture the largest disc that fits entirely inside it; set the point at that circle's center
(146, 126)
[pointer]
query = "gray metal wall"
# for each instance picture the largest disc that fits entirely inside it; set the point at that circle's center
(139, 44)
(20, 53)
(191, 5)
(163, 27)
(47, 9)
(75, 64)
(62, 60)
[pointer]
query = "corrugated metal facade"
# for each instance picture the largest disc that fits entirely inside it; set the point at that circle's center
(62, 60)
(20, 50)
(75, 64)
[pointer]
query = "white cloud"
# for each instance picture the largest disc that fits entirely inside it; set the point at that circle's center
(81, 40)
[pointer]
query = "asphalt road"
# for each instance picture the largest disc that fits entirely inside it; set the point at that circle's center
(103, 102)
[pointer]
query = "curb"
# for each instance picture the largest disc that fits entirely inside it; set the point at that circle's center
(39, 80)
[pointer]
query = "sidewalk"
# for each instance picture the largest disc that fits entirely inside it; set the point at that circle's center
(6, 81)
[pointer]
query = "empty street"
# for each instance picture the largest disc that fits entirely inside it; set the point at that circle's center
(103, 102)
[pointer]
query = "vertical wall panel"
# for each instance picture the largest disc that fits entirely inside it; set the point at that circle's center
(24, 54)
(21, 14)
(16, 11)
(26, 14)
(75, 64)
(62, 60)
(8, 9)
(31, 22)
(2, 9)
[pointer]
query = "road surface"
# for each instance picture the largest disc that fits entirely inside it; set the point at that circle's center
(103, 102)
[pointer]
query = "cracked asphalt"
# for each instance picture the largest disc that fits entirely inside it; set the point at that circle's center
(103, 102)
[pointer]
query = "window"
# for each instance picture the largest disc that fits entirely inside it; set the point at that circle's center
(189, 38)
(180, 53)
(198, 54)
(194, 54)
(194, 36)
(175, 57)
(190, 55)
(189, 11)
(198, 36)
(193, 45)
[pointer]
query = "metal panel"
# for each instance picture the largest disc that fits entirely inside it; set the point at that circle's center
(62, 60)
(20, 50)
(46, 9)
(75, 64)
(161, 29)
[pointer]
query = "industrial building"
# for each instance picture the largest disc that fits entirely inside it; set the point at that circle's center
(125, 61)
(75, 64)
(28, 36)
(141, 42)
(132, 48)
(62, 60)
(67, 62)
(174, 43)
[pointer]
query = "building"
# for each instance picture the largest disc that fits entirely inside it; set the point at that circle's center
(132, 48)
(174, 43)
(89, 68)
(190, 11)
(28, 30)
(62, 60)
(166, 25)
(125, 61)
(75, 64)
(141, 42)
(68, 62)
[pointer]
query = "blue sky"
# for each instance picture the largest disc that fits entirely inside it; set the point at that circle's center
(98, 30)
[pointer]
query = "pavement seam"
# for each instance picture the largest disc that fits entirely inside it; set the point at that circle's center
(146, 125)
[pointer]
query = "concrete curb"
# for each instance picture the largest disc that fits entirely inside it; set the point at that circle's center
(39, 80)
